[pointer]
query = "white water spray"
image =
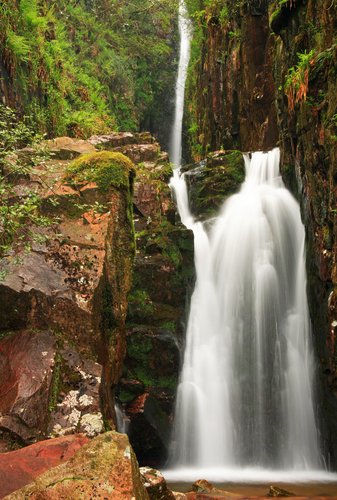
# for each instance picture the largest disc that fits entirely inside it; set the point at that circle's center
(245, 397)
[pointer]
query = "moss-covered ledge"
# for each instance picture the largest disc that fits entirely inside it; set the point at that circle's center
(107, 169)
(211, 181)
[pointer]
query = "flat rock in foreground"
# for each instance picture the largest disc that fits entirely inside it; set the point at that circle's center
(20, 467)
(104, 468)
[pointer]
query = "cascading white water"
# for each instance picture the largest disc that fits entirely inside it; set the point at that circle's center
(245, 397)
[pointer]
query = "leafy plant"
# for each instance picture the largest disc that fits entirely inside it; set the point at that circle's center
(17, 213)
(297, 80)
(83, 67)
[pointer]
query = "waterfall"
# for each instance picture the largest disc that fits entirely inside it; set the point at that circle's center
(185, 32)
(245, 397)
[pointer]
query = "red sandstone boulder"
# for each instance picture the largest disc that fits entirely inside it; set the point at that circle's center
(106, 467)
(20, 467)
(26, 367)
(46, 389)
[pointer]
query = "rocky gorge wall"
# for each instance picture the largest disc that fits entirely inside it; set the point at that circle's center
(264, 74)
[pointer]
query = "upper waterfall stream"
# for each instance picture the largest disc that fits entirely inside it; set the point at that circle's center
(245, 399)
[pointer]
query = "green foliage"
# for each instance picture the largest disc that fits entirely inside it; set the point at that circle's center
(297, 80)
(82, 67)
(105, 168)
(14, 133)
(17, 213)
(140, 303)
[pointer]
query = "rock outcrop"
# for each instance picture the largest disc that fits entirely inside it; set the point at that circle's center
(212, 180)
(64, 293)
(231, 91)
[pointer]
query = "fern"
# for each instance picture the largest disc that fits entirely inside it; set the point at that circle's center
(18, 46)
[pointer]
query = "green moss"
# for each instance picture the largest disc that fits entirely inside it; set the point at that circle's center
(106, 169)
(140, 304)
(222, 176)
(139, 347)
(149, 379)
(125, 396)
(56, 382)
(5, 334)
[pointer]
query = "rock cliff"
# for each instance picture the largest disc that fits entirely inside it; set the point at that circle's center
(266, 77)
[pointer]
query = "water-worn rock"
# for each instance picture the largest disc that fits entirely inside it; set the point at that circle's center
(275, 491)
(106, 467)
(20, 467)
(155, 484)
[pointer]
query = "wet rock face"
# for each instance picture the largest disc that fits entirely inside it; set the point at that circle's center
(104, 468)
(233, 98)
(47, 388)
(26, 364)
(211, 181)
(163, 275)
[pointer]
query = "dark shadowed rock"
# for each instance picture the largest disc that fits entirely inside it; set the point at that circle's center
(275, 491)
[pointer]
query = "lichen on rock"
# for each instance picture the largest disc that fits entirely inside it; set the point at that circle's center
(106, 467)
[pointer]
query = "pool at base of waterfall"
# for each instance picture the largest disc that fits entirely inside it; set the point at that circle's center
(255, 482)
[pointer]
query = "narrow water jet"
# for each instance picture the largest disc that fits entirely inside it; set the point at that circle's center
(245, 399)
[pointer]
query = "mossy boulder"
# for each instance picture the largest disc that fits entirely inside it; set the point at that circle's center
(211, 181)
(104, 468)
(107, 169)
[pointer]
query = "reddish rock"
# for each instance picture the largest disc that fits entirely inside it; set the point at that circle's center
(106, 467)
(76, 276)
(234, 96)
(155, 484)
(26, 364)
(113, 140)
(141, 152)
(67, 148)
(20, 467)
